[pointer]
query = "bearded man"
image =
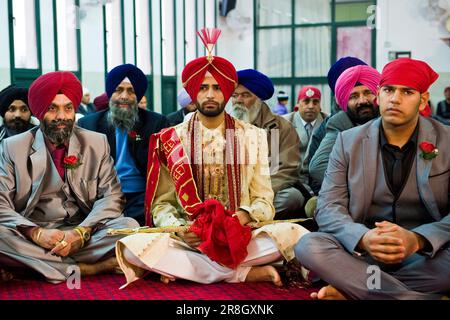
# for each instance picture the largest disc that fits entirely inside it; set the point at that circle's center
(355, 92)
(128, 129)
(284, 144)
(15, 111)
(59, 191)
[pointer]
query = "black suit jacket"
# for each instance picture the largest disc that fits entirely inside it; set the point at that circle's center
(149, 122)
(90, 108)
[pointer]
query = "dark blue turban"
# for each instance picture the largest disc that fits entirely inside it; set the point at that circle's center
(9, 94)
(136, 76)
(340, 66)
(259, 84)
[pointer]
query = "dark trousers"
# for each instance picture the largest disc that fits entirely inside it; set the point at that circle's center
(134, 208)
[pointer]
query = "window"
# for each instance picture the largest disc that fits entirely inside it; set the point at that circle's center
(190, 30)
(312, 11)
(143, 44)
(114, 34)
(25, 34)
(168, 37)
(274, 13)
(67, 35)
(297, 41)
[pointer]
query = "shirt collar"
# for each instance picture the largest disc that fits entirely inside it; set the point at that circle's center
(412, 139)
(304, 122)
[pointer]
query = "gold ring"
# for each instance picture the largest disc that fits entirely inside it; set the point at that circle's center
(63, 243)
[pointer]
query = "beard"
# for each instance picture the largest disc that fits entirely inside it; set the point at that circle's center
(17, 125)
(54, 134)
(248, 115)
(363, 113)
(123, 118)
(217, 110)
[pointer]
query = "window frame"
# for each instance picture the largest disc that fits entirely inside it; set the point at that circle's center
(24, 76)
(105, 36)
(294, 81)
(78, 72)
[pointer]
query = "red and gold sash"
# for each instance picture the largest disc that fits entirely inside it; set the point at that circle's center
(224, 239)
(166, 147)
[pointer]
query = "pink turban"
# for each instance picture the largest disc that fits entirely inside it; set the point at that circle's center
(361, 74)
(44, 89)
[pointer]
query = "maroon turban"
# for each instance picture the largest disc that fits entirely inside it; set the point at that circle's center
(44, 89)
(101, 102)
(410, 73)
(221, 69)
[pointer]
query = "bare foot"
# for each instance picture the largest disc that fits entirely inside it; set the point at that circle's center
(265, 273)
(328, 293)
(167, 279)
(5, 276)
(106, 266)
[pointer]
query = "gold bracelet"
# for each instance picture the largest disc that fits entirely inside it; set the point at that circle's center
(81, 236)
(38, 236)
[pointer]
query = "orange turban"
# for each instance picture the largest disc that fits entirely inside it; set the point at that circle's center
(44, 89)
(221, 69)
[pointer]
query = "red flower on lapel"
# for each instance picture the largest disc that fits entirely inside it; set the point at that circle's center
(71, 162)
(429, 150)
(134, 136)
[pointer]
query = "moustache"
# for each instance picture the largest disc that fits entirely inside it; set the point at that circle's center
(365, 106)
(55, 123)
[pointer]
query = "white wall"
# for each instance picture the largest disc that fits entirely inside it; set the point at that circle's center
(5, 71)
(404, 27)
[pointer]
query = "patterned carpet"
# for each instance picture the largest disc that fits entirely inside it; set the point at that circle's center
(106, 287)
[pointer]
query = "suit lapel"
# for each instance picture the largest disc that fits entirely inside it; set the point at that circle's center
(109, 131)
(428, 134)
(74, 150)
(138, 128)
(369, 158)
(38, 158)
(300, 128)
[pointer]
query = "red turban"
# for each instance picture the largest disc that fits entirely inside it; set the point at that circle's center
(309, 92)
(221, 69)
(101, 102)
(410, 73)
(44, 89)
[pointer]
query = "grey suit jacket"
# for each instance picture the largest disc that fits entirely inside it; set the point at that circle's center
(349, 184)
(305, 141)
(319, 162)
(94, 183)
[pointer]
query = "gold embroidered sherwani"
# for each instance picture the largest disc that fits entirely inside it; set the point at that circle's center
(256, 191)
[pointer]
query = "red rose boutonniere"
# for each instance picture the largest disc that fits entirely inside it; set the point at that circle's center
(71, 162)
(429, 150)
(134, 136)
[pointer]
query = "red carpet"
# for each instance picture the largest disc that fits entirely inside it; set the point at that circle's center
(106, 287)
